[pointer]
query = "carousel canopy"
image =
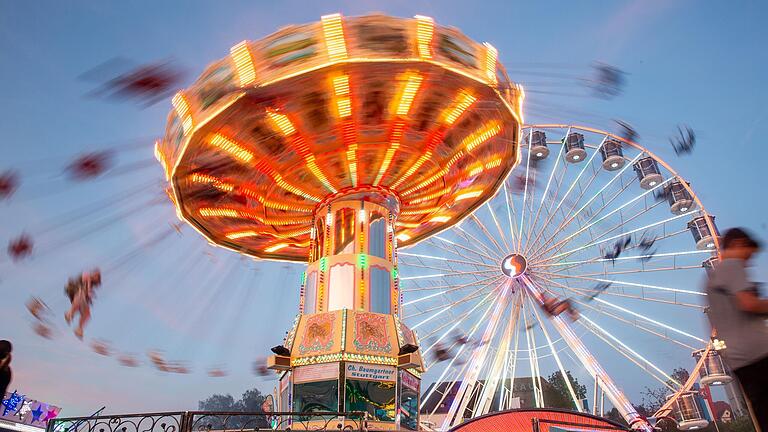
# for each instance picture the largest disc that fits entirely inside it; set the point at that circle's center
(268, 135)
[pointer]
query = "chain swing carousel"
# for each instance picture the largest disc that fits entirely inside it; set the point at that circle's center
(330, 142)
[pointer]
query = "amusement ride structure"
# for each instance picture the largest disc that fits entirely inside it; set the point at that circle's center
(391, 156)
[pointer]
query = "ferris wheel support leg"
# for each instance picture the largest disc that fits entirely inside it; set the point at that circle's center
(615, 395)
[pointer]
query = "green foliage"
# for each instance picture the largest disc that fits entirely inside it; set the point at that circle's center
(250, 402)
(560, 397)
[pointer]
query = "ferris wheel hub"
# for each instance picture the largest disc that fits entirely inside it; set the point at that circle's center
(514, 265)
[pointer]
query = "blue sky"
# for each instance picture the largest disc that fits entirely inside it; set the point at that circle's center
(696, 62)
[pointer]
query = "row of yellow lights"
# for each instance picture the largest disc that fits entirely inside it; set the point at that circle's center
(412, 83)
(251, 233)
(181, 105)
(243, 60)
(242, 154)
(425, 30)
(333, 32)
(491, 55)
(224, 212)
(481, 135)
(342, 96)
(461, 103)
(286, 127)
(228, 187)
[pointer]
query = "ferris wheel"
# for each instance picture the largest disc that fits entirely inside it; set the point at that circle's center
(589, 258)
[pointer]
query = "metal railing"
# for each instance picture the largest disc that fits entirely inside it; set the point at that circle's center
(210, 421)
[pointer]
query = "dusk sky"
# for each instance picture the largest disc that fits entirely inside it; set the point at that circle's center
(700, 63)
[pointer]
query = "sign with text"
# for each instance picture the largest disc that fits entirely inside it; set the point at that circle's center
(318, 372)
(362, 371)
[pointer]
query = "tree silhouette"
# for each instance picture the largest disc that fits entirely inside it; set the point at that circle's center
(562, 397)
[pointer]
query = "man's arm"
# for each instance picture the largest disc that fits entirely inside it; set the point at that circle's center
(749, 302)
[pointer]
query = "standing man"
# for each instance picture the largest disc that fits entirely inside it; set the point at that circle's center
(5, 366)
(738, 316)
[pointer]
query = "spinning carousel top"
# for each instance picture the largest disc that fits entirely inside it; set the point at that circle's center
(268, 136)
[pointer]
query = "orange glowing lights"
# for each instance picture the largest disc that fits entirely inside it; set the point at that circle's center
(286, 127)
(276, 247)
(241, 57)
(181, 105)
(440, 219)
(241, 234)
(491, 55)
(488, 131)
(213, 181)
(333, 32)
(408, 93)
(160, 156)
(236, 150)
(282, 122)
(218, 212)
(403, 237)
(468, 195)
(341, 91)
(425, 29)
(462, 102)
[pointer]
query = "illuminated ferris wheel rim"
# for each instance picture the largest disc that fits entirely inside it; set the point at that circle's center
(465, 240)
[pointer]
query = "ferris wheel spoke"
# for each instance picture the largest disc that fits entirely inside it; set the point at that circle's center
(513, 375)
(532, 221)
(499, 249)
(578, 177)
(559, 363)
(620, 318)
(618, 236)
(591, 293)
(483, 282)
(525, 191)
(536, 243)
(628, 353)
(498, 368)
(591, 217)
(454, 323)
(597, 194)
(477, 360)
(443, 308)
(448, 260)
(565, 241)
(493, 254)
(600, 259)
(509, 204)
(453, 274)
(533, 363)
(634, 271)
(478, 253)
(498, 226)
(624, 283)
(647, 257)
(470, 335)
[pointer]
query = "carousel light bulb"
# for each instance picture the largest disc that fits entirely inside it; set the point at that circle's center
(361, 215)
(539, 154)
(576, 157)
(614, 165)
(440, 219)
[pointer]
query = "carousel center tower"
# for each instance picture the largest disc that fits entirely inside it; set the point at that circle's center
(334, 143)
